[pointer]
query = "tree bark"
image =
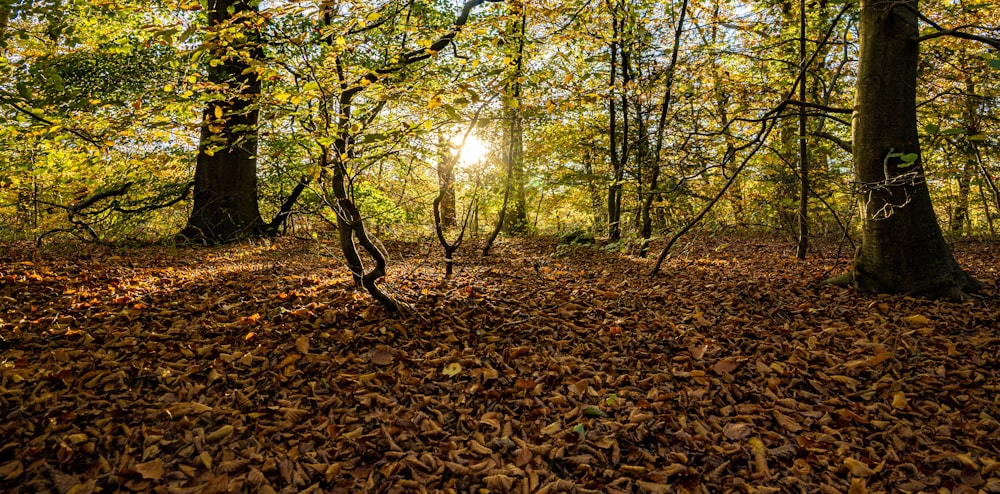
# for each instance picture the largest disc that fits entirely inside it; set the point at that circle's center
(902, 249)
(517, 216)
(802, 247)
(225, 179)
(617, 160)
(446, 184)
(654, 173)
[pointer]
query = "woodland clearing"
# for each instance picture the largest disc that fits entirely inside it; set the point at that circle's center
(542, 368)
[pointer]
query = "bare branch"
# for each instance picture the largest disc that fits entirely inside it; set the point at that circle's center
(841, 143)
(954, 32)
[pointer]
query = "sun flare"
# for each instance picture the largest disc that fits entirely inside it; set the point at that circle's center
(473, 152)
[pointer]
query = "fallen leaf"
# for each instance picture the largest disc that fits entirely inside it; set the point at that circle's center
(453, 369)
(917, 320)
(302, 344)
(151, 470)
(857, 468)
(381, 357)
(737, 431)
(725, 366)
(899, 400)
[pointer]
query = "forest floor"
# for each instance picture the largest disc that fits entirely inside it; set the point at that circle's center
(258, 368)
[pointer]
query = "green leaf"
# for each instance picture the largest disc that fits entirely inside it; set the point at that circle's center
(977, 137)
(952, 132)
(995, 64)
(932, 128)
(909, 159)
(24, 90)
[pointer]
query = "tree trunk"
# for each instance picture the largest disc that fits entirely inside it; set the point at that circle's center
(802, 247)
(960, 216)
(902, 249)
(654, 174)
(517, 216)
(617, 161)
(446, 183)
(225, 178)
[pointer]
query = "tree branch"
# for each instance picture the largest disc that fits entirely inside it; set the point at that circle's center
(414, 56)
(818, 106)
(955, 32)
(841, 143)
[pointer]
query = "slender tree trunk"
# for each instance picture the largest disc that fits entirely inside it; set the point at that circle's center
(902, 249)
(803, 245)
(517, 216)
(960, 214)
(617, 161)
(653, 193)
(446, 183)
(225, 178)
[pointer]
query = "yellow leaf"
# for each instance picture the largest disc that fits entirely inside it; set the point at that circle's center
(917, 320)
(551, 428)
(168, 88)
(218, 112)
(899, 400)
(858, 486)
(220, 433)
(434, 102)
(453, 369)
(569, 77)
(341, 41)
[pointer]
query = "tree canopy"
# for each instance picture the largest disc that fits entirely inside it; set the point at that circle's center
(630, 119)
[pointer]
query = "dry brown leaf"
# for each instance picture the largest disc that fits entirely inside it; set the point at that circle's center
(899, 401)
(788, 423)
(381, 357)
(653, 487)
(698, 351)
(302, 344)
(11, 470)
(183, 409)
(725, 366)
(857, 468)
(918, 320)
(737, 430)
(151, 470)
(220, 433)
(858, 486)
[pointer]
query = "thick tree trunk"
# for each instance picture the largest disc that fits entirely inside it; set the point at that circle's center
(903, 249)
(225, 178)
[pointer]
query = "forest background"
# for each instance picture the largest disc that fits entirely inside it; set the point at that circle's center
(628, 120)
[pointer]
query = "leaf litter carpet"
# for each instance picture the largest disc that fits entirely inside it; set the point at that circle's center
(543, 368)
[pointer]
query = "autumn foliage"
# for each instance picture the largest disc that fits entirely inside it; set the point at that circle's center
(259, 368)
